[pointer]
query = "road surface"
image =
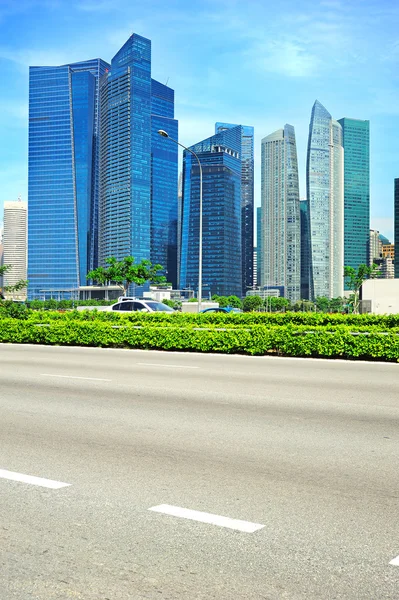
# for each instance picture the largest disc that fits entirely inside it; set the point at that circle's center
(150, 475)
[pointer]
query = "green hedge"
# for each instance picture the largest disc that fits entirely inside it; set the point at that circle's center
(185, 319)
(332, 342)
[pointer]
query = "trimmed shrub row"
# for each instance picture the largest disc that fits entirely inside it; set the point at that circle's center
(222, 319)
(338, 342)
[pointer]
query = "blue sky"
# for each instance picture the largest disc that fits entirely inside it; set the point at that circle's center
(259, 63)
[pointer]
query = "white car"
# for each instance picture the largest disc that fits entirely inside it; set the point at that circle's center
(129, 305)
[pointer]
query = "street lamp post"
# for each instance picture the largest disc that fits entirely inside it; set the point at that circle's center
(166, 135)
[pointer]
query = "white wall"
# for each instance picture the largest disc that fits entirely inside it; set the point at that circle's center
(384, 295)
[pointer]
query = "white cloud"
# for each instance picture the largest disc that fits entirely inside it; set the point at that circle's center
(286, 57)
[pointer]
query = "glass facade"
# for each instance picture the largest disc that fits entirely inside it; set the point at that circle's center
(63, 167)
(125, 153)
(325, 193)
(164, 181)
(259, 251)
(396, 226)
(305, 249)
(281, 234)
(220, 158)
(138, 186)
(356, 142)
(247, 201)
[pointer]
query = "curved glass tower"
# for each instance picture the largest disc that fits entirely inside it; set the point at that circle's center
(281, 232)
(325, 193)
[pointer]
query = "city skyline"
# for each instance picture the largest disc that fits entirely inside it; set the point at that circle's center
(348, 39)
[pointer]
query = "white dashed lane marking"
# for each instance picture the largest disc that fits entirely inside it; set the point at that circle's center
(32, 480)
(203, 517)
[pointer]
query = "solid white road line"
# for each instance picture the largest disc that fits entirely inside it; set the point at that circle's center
(74, 377)
(203, 517)
(167, 366)
(48, 483)
(395, 562)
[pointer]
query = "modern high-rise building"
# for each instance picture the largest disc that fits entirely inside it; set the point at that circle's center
(164, 181)
(138, 183)
(259, 246)
(63, 177)
(305, 249)
(101, 182)
(220, 158)
(325, 194)
(15, 244)
(281, 234)
(247, 201)
(396, 226)
(356, 142)
(375, 246)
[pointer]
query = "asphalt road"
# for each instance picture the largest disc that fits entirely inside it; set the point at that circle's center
(307, 449)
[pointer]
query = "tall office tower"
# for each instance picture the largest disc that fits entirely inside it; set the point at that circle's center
(1, 255)
(138, 185)
(325, 193)
(356, 142)
(396, 226)
(164, 181)
(375, 246)
(305, 249)
(63, 176)
(15, 243)
(247, 201)
(259, 246)
(179, 223)
(281, 233)
(220, 159)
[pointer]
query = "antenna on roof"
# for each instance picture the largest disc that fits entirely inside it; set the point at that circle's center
(167, 81)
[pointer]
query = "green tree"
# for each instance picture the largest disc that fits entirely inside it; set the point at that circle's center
(355, 279)
(12, 289)
(234, 301)
(337, 304)
(251, 303)
(276, 304)
(322, 303)
(125, 272)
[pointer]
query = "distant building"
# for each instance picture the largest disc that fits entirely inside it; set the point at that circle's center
(325, 194)
(255, 257)
(281, 229)
(259, 252)
(356, 142)
(247, 201)
(375, 246)
(63, 176)
(396, 225)
(15, 245)
(220, 158)
(1, 256)
(305, 249)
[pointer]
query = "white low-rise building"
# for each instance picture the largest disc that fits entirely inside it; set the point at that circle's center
(380, 296)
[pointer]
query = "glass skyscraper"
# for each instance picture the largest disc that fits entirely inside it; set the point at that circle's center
(138, 184)
(164, 181)
(220, 158)
(63, 177)
(259, 252)
(305, 249)
(356, 142)
(247, 201)
(396, 226)
(281, 233)
(325, 193)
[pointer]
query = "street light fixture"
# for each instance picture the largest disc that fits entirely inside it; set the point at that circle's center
(166, 135)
